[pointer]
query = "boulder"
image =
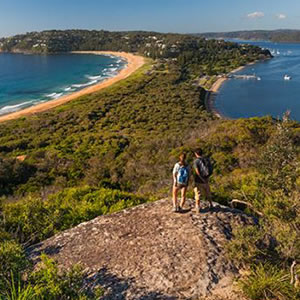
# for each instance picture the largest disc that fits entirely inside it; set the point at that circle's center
(150, 252)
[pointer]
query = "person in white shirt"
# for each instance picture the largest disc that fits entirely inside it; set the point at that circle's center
(181, 177)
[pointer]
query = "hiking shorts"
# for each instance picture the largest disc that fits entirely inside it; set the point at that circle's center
(180, 186)
(201, 189)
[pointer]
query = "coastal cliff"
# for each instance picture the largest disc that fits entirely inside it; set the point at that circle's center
(149, 252)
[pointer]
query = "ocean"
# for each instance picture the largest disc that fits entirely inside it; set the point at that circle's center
(272, 95)
(27, 80)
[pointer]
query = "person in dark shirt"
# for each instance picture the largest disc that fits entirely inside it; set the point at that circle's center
(201, 180)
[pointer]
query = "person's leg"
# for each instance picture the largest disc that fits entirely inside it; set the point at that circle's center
(197, 197)
(206, 189)
(183, 196)
(174, 197)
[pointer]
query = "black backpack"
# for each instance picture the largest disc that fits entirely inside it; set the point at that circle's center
(207, 168)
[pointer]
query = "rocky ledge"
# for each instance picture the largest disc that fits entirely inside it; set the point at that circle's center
(149, 252)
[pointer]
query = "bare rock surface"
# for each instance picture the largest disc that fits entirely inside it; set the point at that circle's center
(149, 252)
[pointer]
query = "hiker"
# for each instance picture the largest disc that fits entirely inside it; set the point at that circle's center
(181, 177)
(202, 171)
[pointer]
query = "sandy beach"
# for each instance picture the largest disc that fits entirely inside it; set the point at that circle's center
(211, 94)
(134, 62)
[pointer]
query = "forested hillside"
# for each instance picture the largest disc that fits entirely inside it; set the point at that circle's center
(150, 44)
(116, 149)
(283, 35)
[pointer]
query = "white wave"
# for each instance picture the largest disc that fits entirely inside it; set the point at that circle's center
(113, 69)
(94, 77)
(84, 84)
(12, 108)
(54, 95)
(68, 89)
(51, 95)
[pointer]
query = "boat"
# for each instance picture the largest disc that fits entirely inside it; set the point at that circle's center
(258, 78)
(287, 77)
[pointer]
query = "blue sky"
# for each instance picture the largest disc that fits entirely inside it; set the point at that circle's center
(20, 16)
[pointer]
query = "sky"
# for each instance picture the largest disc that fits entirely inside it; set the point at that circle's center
(182, 16)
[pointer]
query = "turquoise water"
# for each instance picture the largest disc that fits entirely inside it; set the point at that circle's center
(27, 80)
(272, 95)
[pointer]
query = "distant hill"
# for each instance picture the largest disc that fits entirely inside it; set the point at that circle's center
(149, 44)
(280, 35)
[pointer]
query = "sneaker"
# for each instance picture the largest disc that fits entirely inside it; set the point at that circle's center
(175, 209)
(180, 209)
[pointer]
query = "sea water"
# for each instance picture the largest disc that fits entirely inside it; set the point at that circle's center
(272, 95)
(27, 80)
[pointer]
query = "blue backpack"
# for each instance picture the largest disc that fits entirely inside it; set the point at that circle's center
(183, 175)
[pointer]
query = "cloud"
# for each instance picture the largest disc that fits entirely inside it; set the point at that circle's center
(281, 16)
(256, 15)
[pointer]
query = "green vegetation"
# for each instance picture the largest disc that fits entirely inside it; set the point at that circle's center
(31, 220)
(150, 44)
(48, 282)
(116, 148)
(282, 35)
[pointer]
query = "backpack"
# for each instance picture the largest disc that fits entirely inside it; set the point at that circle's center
(207, 168)
(183, 175)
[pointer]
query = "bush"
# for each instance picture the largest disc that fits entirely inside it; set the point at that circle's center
(50, 283)
(13, 262)
(33, 219)
(268, 282)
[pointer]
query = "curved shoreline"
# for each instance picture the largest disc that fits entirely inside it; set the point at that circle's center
(134, 62)
(213, 92)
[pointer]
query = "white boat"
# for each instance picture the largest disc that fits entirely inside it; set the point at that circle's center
(287, 77)
(258, 78)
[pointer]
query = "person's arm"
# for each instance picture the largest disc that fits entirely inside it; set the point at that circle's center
(198, 172)
(175, 172)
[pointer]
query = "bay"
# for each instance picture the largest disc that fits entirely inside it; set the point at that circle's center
(272, 95)
(27, 80)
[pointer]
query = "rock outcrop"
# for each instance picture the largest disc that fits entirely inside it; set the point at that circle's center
(149, 252)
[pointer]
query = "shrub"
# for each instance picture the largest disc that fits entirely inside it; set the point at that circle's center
(13, 262)
(50, 283)
(34, 219)
(268, 282)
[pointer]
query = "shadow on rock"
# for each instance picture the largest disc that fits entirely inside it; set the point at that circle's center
(116, 288)
(35, 252)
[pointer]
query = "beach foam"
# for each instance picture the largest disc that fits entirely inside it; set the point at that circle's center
(54, 95)
(67, 89)
(13, 112)
(11, 108)
(84, 84)
(96, 77)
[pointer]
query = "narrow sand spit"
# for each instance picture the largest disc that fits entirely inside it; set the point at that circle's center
(134, 62)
